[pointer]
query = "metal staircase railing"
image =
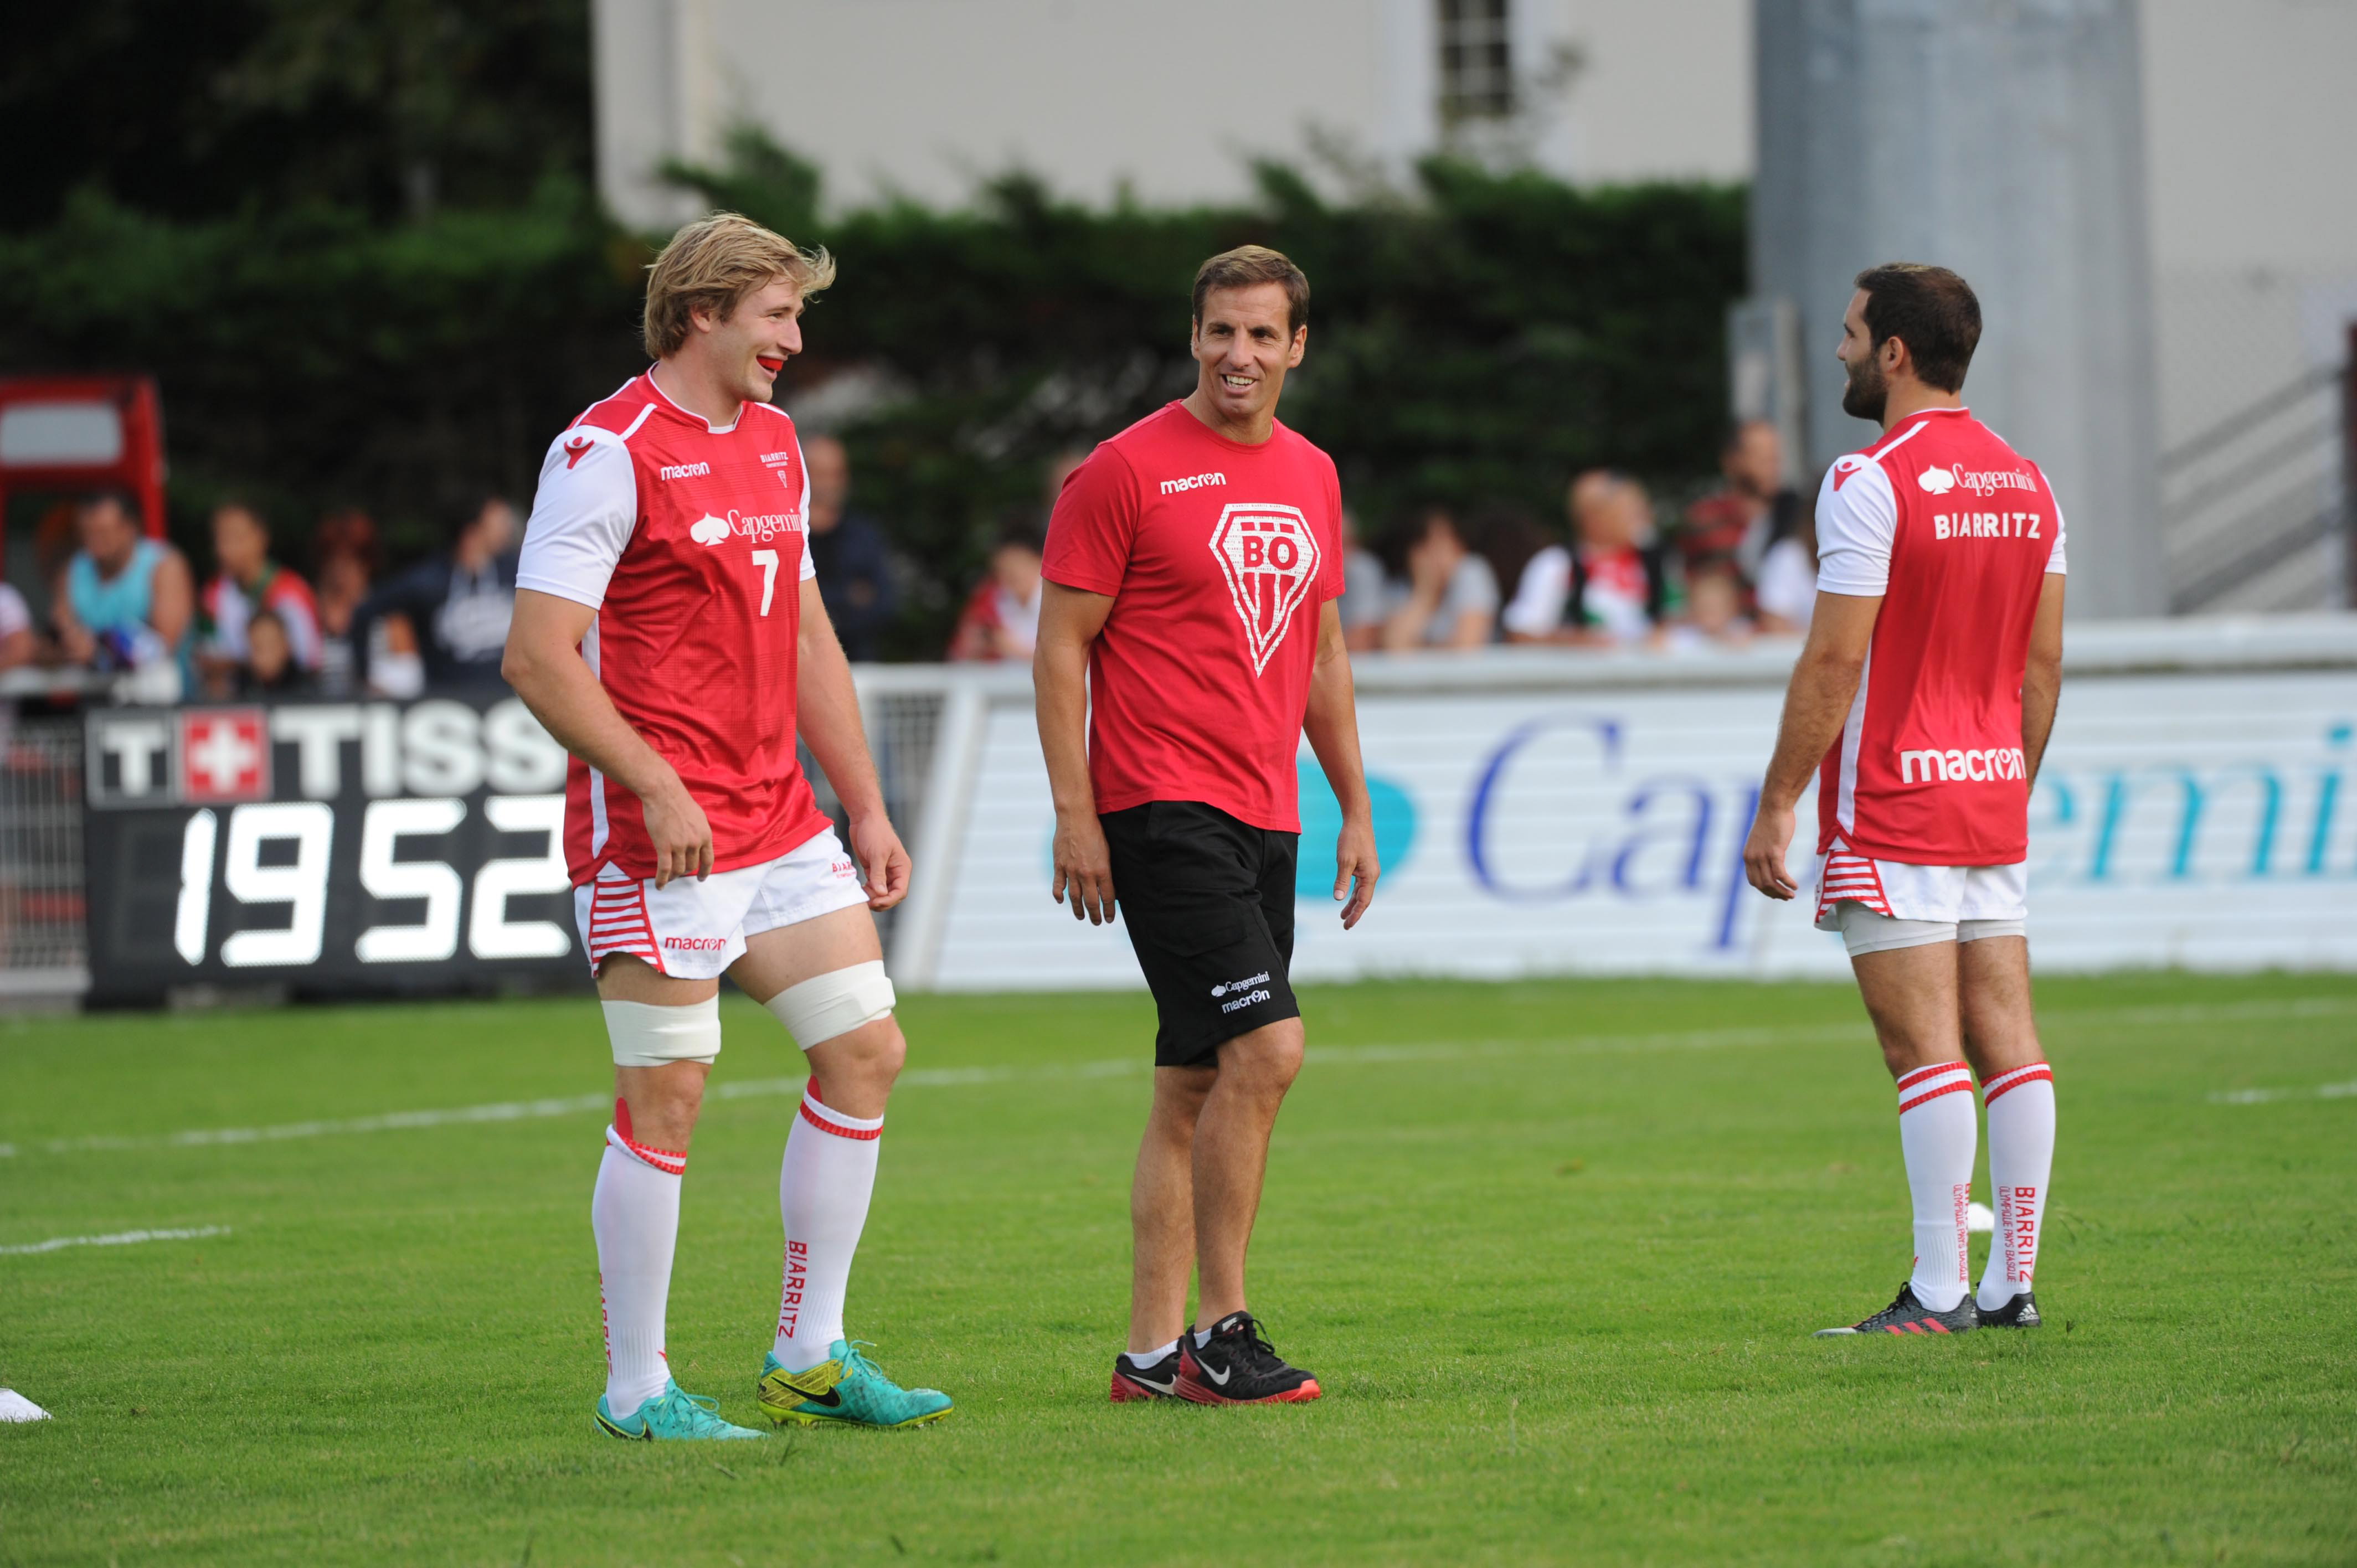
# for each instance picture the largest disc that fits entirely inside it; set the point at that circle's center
(2247, 503)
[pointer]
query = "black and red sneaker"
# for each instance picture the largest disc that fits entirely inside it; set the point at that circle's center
(1239, 1366)
(1131, 1382)
(1908, 1316)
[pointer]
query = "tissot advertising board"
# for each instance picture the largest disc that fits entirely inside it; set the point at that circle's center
(329, 847)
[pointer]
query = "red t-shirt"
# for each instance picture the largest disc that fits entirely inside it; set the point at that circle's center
(1217, 557)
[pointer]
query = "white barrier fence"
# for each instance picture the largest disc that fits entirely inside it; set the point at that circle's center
(1546, 813)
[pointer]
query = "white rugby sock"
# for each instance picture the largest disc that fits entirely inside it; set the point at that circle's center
(1937, 1133)
(2021, 1155)
(822, 1191)
(635, 1213)
(1144, 1359)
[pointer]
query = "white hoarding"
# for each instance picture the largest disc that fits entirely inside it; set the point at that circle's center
(2189, 816)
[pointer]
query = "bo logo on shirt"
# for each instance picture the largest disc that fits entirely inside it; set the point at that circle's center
(1268, 553)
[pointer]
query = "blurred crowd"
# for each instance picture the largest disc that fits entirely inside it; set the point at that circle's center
(1618, 571)
(1739, 563)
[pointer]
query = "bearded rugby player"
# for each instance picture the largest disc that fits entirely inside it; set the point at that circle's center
(1922, 702)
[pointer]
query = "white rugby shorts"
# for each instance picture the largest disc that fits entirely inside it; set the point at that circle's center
(1881, 903)
(695, 930)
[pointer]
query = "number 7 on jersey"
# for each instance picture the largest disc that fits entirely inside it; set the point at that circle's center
(768, 561)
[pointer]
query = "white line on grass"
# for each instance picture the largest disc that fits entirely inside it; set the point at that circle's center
(1138, 1065)
(120, 1239)
(2269, 1096)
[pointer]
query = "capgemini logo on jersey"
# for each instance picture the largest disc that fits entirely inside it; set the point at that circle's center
(709, 530)
(1938, 481)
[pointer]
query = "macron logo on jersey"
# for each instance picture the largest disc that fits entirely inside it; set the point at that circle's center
(683, 470)
(1844, 469)
(1192, 482)
(1959, 766)
(577, 449)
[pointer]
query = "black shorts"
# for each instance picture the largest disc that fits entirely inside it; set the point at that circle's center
(1209, 904)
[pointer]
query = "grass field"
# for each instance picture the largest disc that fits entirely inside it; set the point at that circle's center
(1554, 1251)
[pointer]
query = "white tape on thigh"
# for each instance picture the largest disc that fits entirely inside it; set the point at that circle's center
(833, 1003)
(648, 1036)
(1864, 931)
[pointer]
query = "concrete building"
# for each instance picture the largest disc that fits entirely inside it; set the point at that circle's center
(2245, 120)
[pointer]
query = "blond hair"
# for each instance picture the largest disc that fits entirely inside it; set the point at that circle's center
(712, 264)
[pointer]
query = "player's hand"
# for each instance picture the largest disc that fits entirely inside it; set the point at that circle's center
(1083, 868)
(680, 835)
(1763, 852)
(1354, 862)
(877, 847)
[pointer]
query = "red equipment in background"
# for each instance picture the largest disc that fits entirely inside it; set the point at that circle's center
(83, 433)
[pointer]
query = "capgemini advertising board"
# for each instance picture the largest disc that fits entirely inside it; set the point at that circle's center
(2185, 816)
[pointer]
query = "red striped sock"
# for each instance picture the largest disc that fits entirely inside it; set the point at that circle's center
(1938, 1133)
(634, 1213)
(2020, 1107)
(824, 1187)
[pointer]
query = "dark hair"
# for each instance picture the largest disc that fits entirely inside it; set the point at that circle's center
(1249, 265)
(1929, 309)
(1407, 530)
(1019, 528)
(1731, 441)
(477, 504)
(234, 502)
(91, 500)
(1509, 537)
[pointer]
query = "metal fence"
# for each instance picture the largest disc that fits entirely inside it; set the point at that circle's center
(41, 932)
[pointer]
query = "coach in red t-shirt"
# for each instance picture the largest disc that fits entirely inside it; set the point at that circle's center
(1188, 636)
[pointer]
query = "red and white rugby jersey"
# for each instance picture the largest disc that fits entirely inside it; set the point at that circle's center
(691, 542)
(1217, 557)
(1956, 532)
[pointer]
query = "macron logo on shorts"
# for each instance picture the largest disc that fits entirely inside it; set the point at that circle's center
(1962, 766)
(696, 944)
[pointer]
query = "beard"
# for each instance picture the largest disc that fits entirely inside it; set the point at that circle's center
(1867, 392)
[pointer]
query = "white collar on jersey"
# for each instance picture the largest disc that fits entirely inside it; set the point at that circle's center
(715, 429)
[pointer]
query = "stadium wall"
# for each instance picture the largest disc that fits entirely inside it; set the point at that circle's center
(1574, 815)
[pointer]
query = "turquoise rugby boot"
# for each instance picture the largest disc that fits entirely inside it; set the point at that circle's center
(845, 1390)
(671, 1416)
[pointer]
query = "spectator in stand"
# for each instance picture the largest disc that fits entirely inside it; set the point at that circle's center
(1522, 553)
(270, 668)
(1060, 464)
(1366, 590)
(1714, 614)
(248, 582)
(1452, 598)
(17, 645)
(125, 600)
(457, 604)
(1604, 589)
(1002, 619)
(1750, 512)
(346, 557)
(847, 551)
(1787, 591)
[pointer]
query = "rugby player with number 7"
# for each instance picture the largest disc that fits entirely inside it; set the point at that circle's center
(1922, 701)
(668, 631)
